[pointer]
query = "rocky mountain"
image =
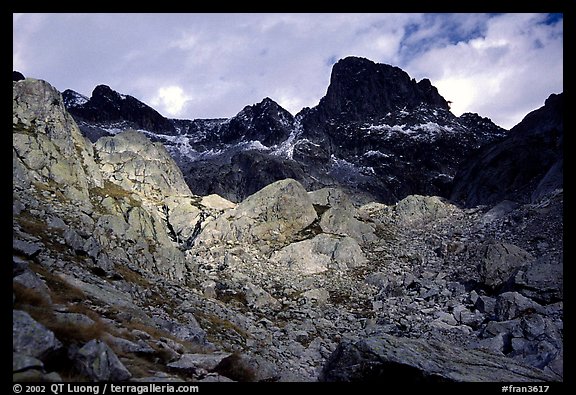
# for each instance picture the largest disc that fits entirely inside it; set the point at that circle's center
(525, 166)
(376, 133)
(122, 273)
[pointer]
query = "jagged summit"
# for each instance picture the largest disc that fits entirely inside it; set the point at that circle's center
(107, 106)
(361, 90)
(377, 131)
(266, 122)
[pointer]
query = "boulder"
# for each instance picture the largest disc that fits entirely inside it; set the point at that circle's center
(542, 281)
(32, 338)
(510, 305)
(22, 362)
(217, 202)
(321, 253)
(258, 298)
(97, 361)
(194, 362)
(275, 213)
(498, 262)
(135, 163)
(402, 360)
(423, 209)
(342, 222)
(331, 197)
(26, 248)
(30, 280)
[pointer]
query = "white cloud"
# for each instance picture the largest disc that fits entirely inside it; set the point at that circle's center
(503, 74)
(171, 99)
(498, 66)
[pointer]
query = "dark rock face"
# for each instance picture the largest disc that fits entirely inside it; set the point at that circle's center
(266, 122)
(107, 106)
(17, 76)
(523, 167)
(245, 173)
(361, 89)
(377, 133)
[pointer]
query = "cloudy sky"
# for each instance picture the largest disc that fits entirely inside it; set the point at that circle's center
(212, 65)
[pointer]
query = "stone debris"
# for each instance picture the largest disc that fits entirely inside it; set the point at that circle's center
(124, 274)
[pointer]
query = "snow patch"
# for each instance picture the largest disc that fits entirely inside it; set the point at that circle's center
(377, 154)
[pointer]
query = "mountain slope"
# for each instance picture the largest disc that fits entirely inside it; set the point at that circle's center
(377, 133)
(525, 166)
(116, 264)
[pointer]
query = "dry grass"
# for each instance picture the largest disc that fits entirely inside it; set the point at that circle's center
(61, 291)
(217, 327)
(28, 297)
(115, 191)
(131, 276)
(157, 333)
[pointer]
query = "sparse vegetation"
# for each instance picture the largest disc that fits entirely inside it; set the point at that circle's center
(115, 191)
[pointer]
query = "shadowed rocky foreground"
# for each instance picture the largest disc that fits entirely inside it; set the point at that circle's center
(121, 273)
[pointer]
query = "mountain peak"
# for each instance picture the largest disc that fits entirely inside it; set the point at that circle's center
(361, 89)
(107, 105)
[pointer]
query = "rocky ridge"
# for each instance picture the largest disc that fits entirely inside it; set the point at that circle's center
(377, 133)
(116, 261)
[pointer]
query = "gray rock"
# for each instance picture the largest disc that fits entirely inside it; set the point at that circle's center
(209, 289)
(74, 240)
(499, 211)
(97, 361)
(446, 318)
(321, 253)
(73, 320)
(56, 223)
(193, 362)
(127, 346)
(316, 296)
(332, 198)
(466, 317)
(533, 326)
(510, 305)
(275, 213)
(103, 262)
(342, 222)
(385, 357)
(26, 248)
(498, 262)
(32, 338)
(19, 265)
(496, 343)
(30, 280)
(542, 281)
(258, 298)
(187, 329)
(485, 304)
(49, 143)
(495, 328)
(22, 362)
(141, 166)
(417, 208)
(92, 248)
(217, 202)
(378, 279)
